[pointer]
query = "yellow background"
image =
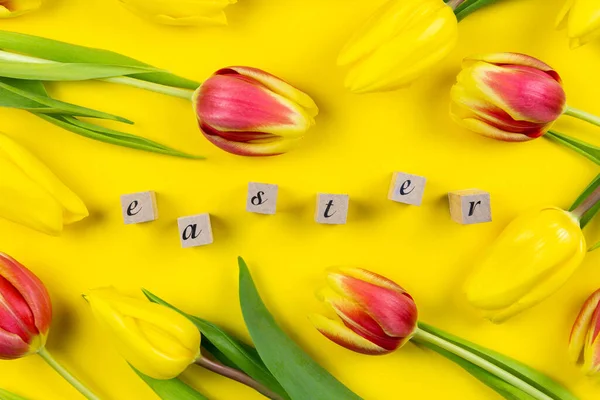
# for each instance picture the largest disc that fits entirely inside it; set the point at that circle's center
(356, 145)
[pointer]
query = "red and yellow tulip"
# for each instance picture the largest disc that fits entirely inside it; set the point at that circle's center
(584, 343)
(249, 112)
(377, 316)
(507, 96)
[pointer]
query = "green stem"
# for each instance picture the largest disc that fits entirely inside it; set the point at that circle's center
(463, 8)
(582, 115)
(506, 376)
(154, 87)
(67, 375)
(587, 204)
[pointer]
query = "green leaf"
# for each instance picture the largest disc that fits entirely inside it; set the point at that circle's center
(470, 6)
(594, 247)
(229, 350)
(115, 137)
(15, 93)
(65, 71)
(299, 374)
(534, 378)
(171, 389)
(504, 389)
(587, 217)
(69, 53)
(6, 395)
(590, 151)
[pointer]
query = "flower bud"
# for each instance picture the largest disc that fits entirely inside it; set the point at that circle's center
(582, 20)
(401, 42)
(246, 111)
(156, 340)
(181, 12)
(14, 8)
(507, 96)
(584, 342)
(32, 195)
(25, 310)
(377, 316)
(530, 260)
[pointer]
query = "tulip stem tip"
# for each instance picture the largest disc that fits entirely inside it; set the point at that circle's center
(426, 337)
(153, 87)
(582, 115)
(236, 375)
(587, 204)
(67, 375)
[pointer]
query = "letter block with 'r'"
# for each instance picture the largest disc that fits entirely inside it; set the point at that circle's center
(407, 188)
(195, 230)
(139, 207)
(332, 209)
(262, 198)
(471, 206)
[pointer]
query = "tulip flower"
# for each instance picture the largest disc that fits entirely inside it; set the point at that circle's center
(402, 41)
(25, 317)
(14, 8)
(378, 316)
(584, 342)
(155, 340)
(32, 195)
(181, 12)
(582, 20)
(249, 112)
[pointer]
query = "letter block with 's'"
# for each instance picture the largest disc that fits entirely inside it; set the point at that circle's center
(195, 230)
(262, 198)
(471, 206)
(139, 207)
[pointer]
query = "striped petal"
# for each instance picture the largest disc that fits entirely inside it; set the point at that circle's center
(344, 336)
(500, 59)
(12, 346)
(591, 356)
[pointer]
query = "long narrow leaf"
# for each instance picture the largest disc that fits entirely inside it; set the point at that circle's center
(590, 151)
(229, 350)
(299, 374)
(6, 395)
(171, 389)
(587, 217)
(69, 53)
(65, 71)
(470, 6)
(534, 378)
(14, 93)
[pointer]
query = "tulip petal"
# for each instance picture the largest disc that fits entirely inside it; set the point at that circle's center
(14, 8)
(591, 357)
(512, 59)
(251, 148)
(15, 315)
(394, 310)
(12, 346)
(561, 18)
(73, 208)
(584, 21)
(345, 337)
(181, 12)
(582, 326)
(278, 86)
(31, 288)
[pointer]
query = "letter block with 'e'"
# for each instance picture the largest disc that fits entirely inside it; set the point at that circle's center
(139, 207)
(262, 198)
(407, 188)
(332, 208)
(470, 206)
(195, 230)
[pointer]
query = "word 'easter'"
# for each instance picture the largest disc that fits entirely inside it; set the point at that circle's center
(466, 207)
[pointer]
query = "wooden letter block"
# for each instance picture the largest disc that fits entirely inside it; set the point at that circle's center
(262, 198)
(470, 206)
(195, 230)
(407, 188)
(332, 208)
(139, 207)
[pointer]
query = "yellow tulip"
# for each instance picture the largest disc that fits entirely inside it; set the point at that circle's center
(156, 340)
(32, 195)
(14, 8)
(181, 12)
(582, 20)
(400, 43)
(531, 259)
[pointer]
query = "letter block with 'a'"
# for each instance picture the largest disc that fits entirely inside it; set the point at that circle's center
(262, 198)
(195, 230)
(470, 206)
(139, 207)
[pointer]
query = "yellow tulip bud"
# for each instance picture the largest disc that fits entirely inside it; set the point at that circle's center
(400, 43)
(181, 12)
(531, 259)
(32, 195)
(582, 20)
(156, 340)
(14, 8)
